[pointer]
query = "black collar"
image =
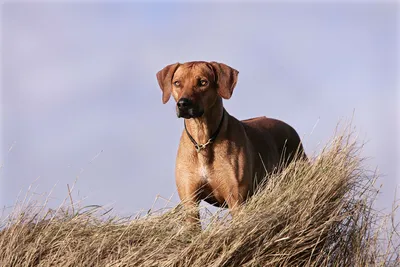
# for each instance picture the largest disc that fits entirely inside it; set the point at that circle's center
(198, 146)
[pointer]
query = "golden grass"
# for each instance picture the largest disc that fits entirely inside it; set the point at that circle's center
(312, 214)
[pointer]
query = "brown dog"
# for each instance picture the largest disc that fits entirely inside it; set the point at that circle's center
(220, 159)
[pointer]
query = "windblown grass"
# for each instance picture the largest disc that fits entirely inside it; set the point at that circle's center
(312, 214)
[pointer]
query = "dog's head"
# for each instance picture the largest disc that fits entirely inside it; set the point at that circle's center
(196, 85)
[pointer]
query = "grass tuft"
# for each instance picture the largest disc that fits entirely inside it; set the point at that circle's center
(317, 213)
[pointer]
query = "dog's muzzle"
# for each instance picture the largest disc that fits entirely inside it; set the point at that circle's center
(185, 108)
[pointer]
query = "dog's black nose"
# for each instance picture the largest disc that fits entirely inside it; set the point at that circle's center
(184, 103)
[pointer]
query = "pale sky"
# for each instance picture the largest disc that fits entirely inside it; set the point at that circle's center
(79, 95)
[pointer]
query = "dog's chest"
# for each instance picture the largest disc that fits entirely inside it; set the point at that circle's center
(204, 170)
(208, 169)
(203, 173)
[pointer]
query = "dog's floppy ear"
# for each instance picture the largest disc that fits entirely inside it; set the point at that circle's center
(226, 79)
(164, 78)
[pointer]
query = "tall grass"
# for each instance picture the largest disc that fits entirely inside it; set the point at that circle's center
(317, 213)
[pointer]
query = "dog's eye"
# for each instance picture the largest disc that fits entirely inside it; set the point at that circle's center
(177, 83)
(203, 82)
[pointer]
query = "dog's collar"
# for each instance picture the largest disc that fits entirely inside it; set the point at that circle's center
(198, 146)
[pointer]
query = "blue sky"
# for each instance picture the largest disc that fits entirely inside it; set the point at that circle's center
(79, 97)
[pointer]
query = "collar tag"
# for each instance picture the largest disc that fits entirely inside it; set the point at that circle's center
(199, 147)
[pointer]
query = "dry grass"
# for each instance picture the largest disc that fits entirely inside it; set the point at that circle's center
(317, 214)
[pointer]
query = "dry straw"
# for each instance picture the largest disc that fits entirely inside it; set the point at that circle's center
(318, 213)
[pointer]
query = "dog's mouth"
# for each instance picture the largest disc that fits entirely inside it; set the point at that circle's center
(189, 113)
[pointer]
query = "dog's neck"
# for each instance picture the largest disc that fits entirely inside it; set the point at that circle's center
(202, 128)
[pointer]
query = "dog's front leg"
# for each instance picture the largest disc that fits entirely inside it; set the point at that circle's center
(188, 193)
(235, 195)
(192, 214)
(234, 202)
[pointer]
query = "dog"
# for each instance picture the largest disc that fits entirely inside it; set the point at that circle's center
(220, 159)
